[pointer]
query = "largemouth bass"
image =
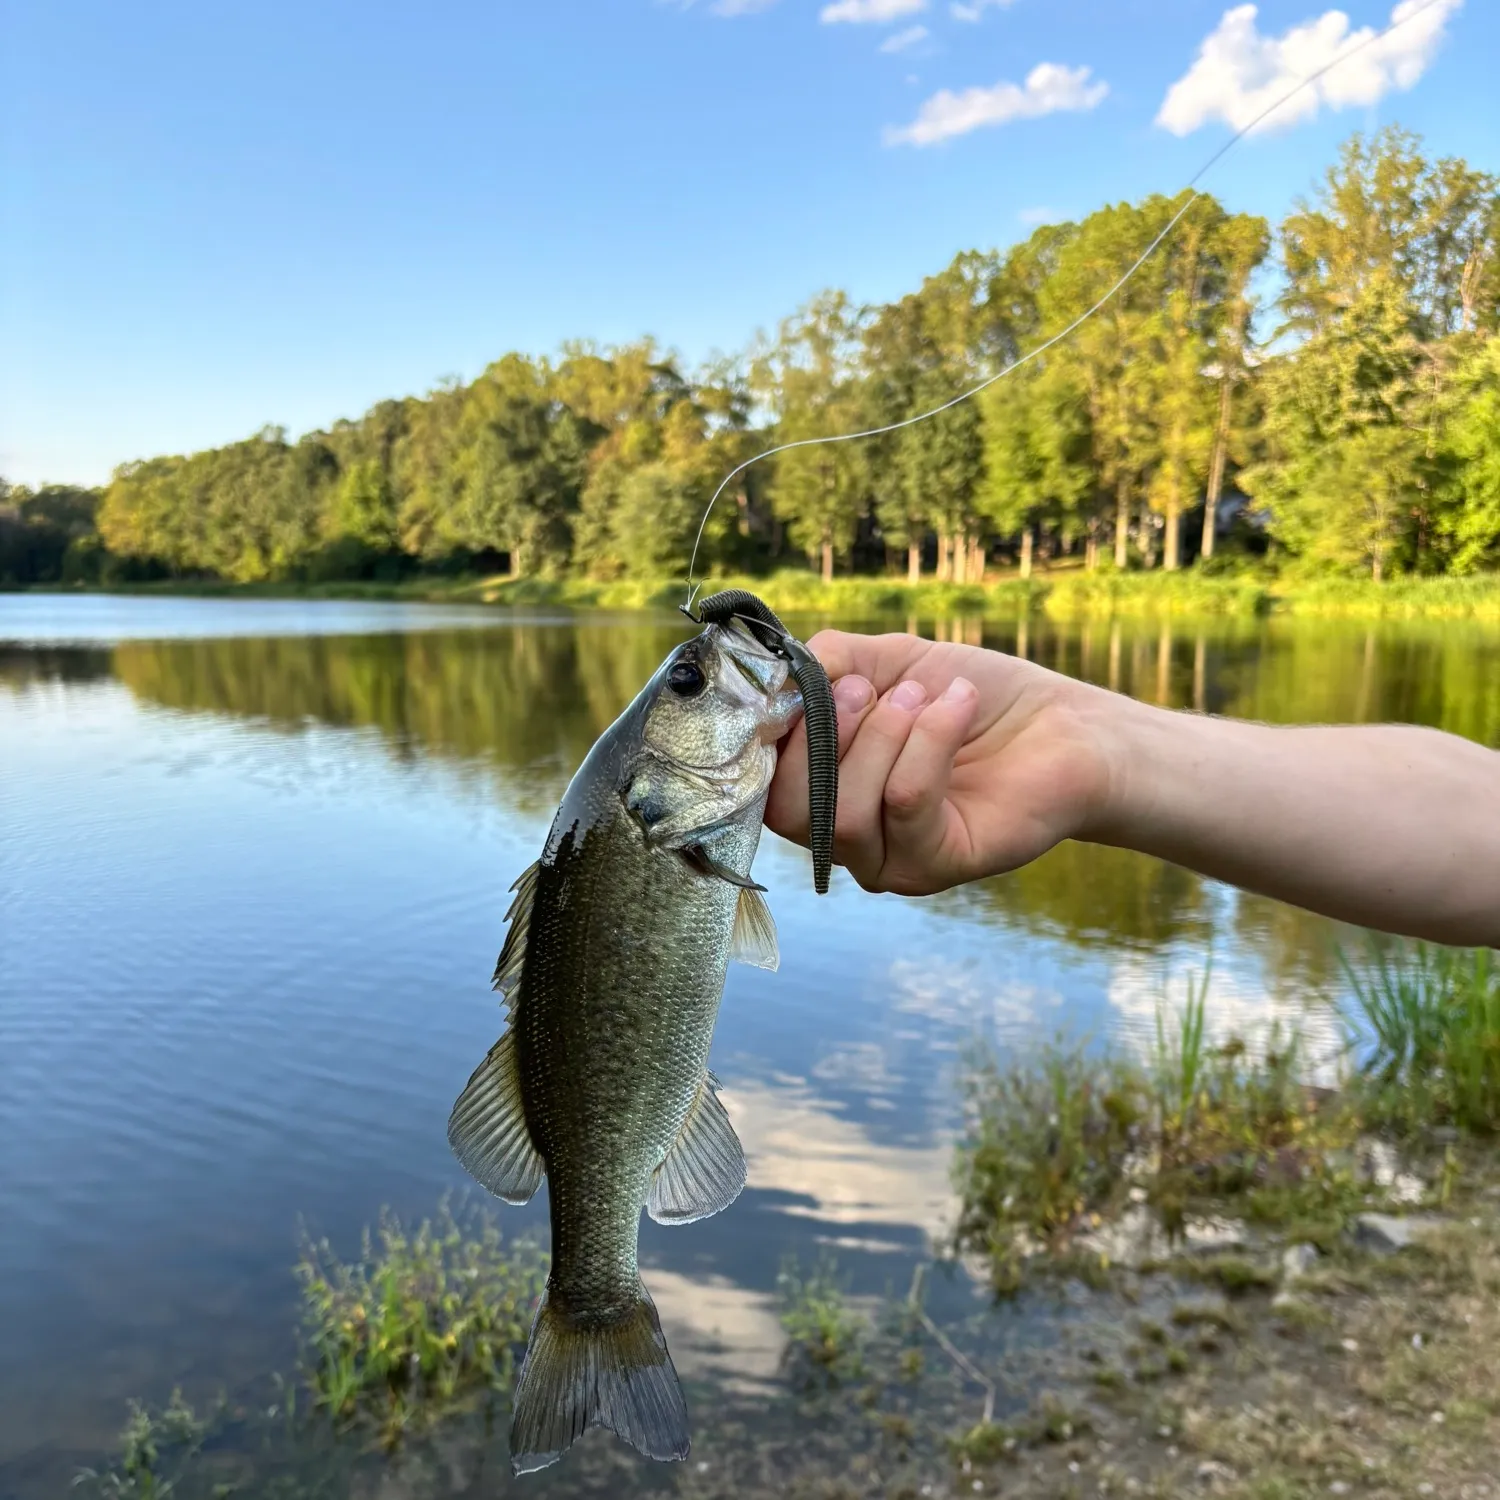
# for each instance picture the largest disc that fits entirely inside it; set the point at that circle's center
(612, 970)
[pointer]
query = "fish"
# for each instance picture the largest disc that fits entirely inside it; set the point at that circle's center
(613, 966)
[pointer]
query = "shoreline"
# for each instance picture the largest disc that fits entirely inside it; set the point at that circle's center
(1063, 595)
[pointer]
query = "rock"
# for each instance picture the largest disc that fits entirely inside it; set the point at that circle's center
(1285, 1301)
(1386, 1234)
(1381, 1165)
(1211, 1469)
(1298, 1260)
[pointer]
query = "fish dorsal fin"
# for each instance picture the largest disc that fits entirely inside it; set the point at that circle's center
(508, 967)
(705, 1168)
(753, 940)
(487, 1128)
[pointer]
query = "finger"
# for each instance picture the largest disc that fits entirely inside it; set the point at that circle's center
(858, 838)
(882, 659)
(918, 821)
(786, 808)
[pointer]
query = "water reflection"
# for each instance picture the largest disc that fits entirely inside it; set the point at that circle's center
(251, 887)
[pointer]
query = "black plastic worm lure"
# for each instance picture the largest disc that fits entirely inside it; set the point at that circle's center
(818, 713)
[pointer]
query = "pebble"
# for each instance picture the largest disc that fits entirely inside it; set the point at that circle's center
(1349, 1346)
(1425, 1488)
(978, 1485)
(1338, 1487)
(1172, 1451)
(703, 1466)
(1073, 1467)
(1298, 1260)
(1416, 1341)
(1438, 1419)
(1164, 1432)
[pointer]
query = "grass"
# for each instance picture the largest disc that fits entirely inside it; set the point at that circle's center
(1060, 1142)
(1047, 1152)
(1428, 1022)
(423, 1319)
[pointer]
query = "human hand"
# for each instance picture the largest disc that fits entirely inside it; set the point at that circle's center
(955, 762)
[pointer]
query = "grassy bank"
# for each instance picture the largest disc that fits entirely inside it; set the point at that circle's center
(1064, 594)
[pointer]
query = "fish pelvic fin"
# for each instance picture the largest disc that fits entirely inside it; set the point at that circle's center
(704, 1170)
(488, 1131)
(585, 1373)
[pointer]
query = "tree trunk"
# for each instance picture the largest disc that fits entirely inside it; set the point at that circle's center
(1027, 542)
(1122, 524)
(1148, 538)
(1216, 471)
(1170, 561)
(961, 558)
(944, 557)
(976, 558)
(1377, 567)
(914, 562)
(827, 562)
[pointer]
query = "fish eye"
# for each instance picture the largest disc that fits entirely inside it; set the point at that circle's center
(686, 679)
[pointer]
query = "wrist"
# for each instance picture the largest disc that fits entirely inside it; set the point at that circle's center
(1137, 746)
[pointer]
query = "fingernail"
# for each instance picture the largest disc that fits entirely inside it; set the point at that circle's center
(909, 695)
(852, 694)
(960, 690)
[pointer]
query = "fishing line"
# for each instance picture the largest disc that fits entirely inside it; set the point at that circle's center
(1190, 188)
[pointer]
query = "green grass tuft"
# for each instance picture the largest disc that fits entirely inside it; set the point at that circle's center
(422, 1319)
(1428, 1020)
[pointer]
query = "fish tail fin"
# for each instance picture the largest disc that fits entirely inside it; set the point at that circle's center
(581, 1374)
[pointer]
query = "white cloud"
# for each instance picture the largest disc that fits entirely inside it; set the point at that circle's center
(862, 12)
(739, 7)
(1034, 216)
(1049, 87)
(1238, 72)
(904, 39)
(976, 9)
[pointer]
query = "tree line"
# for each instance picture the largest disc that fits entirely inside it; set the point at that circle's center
(1330, 392)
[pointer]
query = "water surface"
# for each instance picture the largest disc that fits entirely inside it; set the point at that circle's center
(253, 863)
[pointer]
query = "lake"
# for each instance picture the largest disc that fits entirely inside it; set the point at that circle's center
(253, 864)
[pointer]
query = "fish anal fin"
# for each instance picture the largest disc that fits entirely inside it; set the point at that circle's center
(579, 1374)
(705, 1168)
(753, 940)
(487, 1128)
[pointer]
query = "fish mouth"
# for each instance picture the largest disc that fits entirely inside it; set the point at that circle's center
(759, 677)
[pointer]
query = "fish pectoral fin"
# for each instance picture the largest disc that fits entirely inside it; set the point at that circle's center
(753, 940)
(487, 1128)
(704, 1170)
(700, 859)
(508, 967)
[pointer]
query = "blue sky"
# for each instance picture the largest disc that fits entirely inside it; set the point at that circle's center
(213, 217)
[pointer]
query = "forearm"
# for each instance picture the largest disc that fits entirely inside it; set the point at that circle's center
(1389, 826)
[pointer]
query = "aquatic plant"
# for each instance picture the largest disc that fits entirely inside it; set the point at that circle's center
(422, 1319)
(1427, 1020)
(824, 1335)
(156, 1449)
